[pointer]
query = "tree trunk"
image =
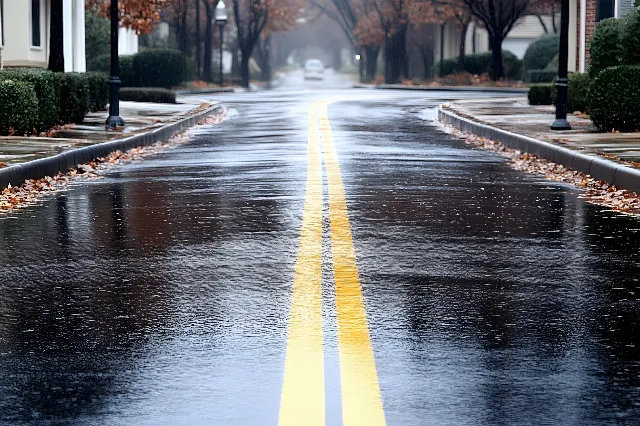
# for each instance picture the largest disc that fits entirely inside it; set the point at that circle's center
(397, 56)
(208, 45)
(184, 34)
(387, 59)
(441, 49)
(244, 68)
(198, 50)
(235, 59)
(474, 40)
(553, 19)
(263, 54)
(56, 42)
(372, 54)
(544, 26)
(463, 44)
(497, 67)
(426, 54)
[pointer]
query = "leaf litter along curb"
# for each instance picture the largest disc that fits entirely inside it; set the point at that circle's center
(35, 191)
(595, 192)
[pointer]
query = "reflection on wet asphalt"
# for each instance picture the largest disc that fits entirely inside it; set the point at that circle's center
(160, 295)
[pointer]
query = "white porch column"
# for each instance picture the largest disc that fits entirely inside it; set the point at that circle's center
(573, 34)
(127, 42)
(79, 54)
(67, 29)
(583, 35)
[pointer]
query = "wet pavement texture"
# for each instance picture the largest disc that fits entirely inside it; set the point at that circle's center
(160, 295)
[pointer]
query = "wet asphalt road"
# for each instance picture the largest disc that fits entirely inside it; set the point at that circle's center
(161, 294)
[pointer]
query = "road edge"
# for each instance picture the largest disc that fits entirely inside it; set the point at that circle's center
(37, 169)
(518, 90)
(623, 177)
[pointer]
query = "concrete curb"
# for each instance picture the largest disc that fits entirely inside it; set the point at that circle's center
(50, 166)
(205, 91)
(621, 176)
(444, 88)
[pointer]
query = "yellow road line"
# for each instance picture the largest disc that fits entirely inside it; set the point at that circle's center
(303, 400)
(361, 400)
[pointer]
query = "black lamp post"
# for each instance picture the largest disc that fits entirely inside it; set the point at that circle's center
(221, 20)
(561, 122)
(114, 121)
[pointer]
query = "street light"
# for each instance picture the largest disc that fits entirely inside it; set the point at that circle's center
(562, 85)
(114, 121)
(221, 20)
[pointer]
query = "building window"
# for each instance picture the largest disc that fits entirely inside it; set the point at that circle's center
(605, 9)
(35, 23)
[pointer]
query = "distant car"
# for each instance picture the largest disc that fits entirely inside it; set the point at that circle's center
(313, 69)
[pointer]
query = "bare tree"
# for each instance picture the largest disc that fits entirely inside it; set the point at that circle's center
(498, 18)
(251, 17)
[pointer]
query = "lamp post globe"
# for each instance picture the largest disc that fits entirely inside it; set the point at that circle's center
(221, 20)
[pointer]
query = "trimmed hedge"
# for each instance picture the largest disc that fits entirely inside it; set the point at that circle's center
(159, 68)
(102, 64)
(60, 97)
(18, 107)
(605, 47)
(480, 63)
(579, 84)
(98, 90)
(614, 99)
(147, 94)
(150, 68)
(539, 76)
(47, 91)
(630, 38)
(540, 94)
(541, 52)
(127, 76)
(75, 97)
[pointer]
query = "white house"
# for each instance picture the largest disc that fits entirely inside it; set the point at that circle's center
(583, 17)
(527, 30)
(24, 34)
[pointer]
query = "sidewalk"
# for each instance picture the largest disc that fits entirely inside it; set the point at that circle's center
(610, 157)
(426, 88)
(517, 116)
(26, 158)
(139, 118)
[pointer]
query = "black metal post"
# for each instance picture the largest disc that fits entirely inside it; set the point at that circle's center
(221, 26)
(114, 121)
(561, 122)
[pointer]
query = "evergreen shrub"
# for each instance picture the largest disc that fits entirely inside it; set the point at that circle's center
(540, 94)
(18, 107)
(614, 99)
(605, 48)
(541, 52)
(159, 68)
(47, 89)
(147, 94)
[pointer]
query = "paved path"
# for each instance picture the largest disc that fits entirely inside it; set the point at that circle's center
(138, 116)
(516, 115)
(323, 257)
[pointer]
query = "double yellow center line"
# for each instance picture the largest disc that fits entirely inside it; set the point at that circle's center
(303, 398)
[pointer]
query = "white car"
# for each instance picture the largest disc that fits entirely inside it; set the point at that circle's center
(314, 69)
